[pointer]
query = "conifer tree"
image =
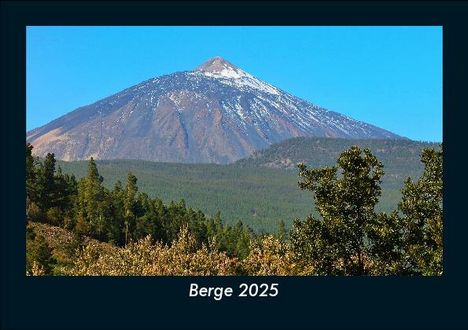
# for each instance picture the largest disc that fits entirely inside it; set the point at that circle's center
(65, 190)
(32, 209)
(46, 183)
(90, 201)
(117, 196)
(131, 190)
(30, 174)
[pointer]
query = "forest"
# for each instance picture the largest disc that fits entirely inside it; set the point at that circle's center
(261, 191)
(81, 227)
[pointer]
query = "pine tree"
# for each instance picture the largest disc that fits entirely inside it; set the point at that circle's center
(32, 209)
(30, 174)
(129, 205)
(46, 183)
(91, 196)
(65, 190)
(117, 196)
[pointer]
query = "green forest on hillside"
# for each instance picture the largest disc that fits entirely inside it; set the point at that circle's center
(250, 192)
(259, 197)
(123, 231)
(401, 157)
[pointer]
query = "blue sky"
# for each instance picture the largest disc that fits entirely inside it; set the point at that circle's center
(387, 76)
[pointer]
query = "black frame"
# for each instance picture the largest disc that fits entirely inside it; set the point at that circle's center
(163, 302)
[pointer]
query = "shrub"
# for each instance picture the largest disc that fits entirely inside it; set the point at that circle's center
(54, 216)
(38, 256)
(144, 258)
(33, 212)
(273, 256)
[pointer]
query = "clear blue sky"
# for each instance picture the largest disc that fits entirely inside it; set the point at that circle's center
(387, 76)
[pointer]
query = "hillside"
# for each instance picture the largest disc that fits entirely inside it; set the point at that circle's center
(260, 197)
(257, 190)
(401, 158)
(63, 244)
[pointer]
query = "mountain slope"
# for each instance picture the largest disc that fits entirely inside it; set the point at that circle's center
(217, 113)
(401, 158)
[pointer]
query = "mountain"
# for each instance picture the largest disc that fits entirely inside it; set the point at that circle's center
(217, 113)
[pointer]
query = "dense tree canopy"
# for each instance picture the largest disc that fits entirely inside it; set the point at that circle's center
(345, 197)
(120, 215)
(348, 237)
(421, 206)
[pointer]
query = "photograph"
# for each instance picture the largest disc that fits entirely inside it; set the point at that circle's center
(234, 151)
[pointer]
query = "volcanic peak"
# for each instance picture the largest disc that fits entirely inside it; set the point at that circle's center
(218, 66)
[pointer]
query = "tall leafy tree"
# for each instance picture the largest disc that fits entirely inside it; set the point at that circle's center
(386, 249)
(345, 197)
(421, 206)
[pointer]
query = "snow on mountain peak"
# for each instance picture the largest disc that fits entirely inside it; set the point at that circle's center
(229, 74)
(219, 67)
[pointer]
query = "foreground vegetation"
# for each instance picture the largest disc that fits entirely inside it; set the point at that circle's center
(122, 231)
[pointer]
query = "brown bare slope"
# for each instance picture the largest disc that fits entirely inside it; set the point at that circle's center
(215, 114)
